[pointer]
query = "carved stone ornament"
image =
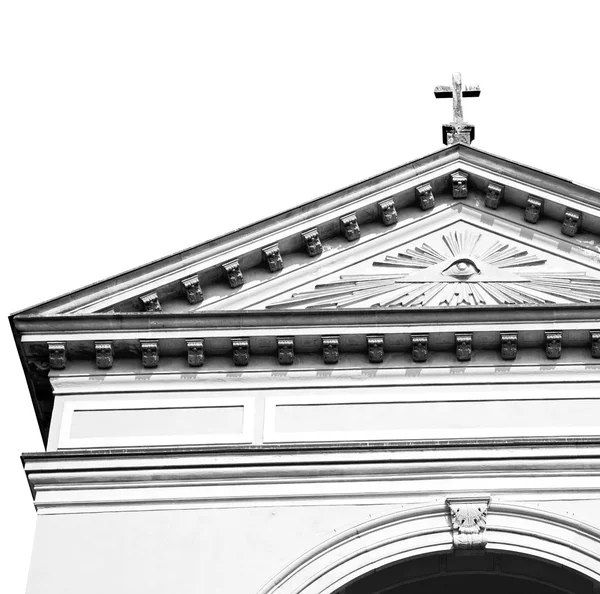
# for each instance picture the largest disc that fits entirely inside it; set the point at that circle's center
(331, 349)
(350, 227)
(425, 196)
(387, 211)
(241, 351)
(459, 184)
(195, 352)
(420, 347)
(464, 348)
(104, 354)
(285, 350)
(553, 345)
(191, 287)
(273, 258)
(57, 355)
(571, 223)
(312, 242)
(149, 353)
(469, 518)
(508, 345)
(595, 349)
(375, 346)
(493, 195)
(151, 302)
(235, 278)
(533, 210)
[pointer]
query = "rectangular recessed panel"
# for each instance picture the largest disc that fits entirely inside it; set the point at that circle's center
(157, 422)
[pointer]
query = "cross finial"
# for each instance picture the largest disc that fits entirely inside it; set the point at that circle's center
(458, 131)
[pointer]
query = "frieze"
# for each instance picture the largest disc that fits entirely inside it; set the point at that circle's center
(595, 347)
(151, 302)
(331, 349)
(464, 346)
(571, 223)
(420, 347)
(104, 354)
(241, 351)
(192, 290)
(553, 344)
(273, 258)
(285, 350)
(375, 348)
(533, 210)
(425, 196)
(469, 519)
(387, 212)
(150, 354)
(195, 352)
(57, 355)
(508, 345)
(234, 275)
(350, 227)
(312, 242)
(459, 184)
(493, 195)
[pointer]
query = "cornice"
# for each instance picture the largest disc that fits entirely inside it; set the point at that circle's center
(340, 474)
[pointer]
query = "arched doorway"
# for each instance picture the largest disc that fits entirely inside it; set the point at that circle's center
(540, 543)
(496, 573)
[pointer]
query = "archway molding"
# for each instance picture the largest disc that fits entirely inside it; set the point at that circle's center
(404, 534)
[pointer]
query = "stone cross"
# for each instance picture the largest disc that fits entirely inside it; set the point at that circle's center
(458, 131)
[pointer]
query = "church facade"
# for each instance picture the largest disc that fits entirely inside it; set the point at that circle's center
(393, 388)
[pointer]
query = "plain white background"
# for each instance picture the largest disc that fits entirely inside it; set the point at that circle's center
(131, 130)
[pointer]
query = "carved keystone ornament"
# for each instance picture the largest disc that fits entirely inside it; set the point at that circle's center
(468, 517)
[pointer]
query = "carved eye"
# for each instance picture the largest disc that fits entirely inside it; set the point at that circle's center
(462, 269)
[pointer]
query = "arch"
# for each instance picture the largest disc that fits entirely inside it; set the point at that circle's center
(403, 534)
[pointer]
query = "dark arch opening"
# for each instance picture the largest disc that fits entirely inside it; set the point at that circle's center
(488, 573)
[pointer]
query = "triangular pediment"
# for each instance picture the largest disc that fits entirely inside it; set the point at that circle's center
(270, 265)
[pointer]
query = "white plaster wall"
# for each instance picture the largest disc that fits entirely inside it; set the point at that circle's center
(210, 551)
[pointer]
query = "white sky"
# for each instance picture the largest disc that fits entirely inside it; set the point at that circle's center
(131, 130)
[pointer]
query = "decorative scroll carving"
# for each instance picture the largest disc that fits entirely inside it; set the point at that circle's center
(533, 210)
(57, 355)
(195, 352)
(104, 354)
(508, 345)
(331, 349)
(191, 287)
(375, 346)
(149, 353)
(493, 195)
(151, 302)
(571, 223)
(241, 351)
(425, 196)
(595, 348)
(453, 268)
(464, 348)
(387, 212)
(553, 344)
(350, 227)
(459, 184)
(312, 242)
(285, 350)
(469, 518)
(234, 274)
(273, 258)
(420, 347)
